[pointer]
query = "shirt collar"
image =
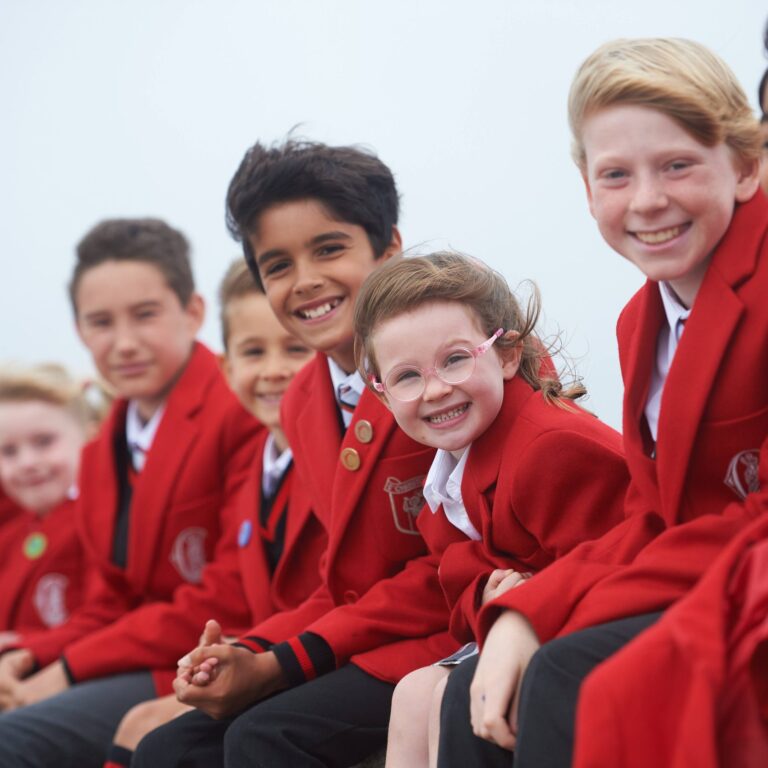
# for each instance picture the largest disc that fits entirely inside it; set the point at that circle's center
(274, 465)
(138, 435)
(339, 378)
(673, 309)
(443, 482)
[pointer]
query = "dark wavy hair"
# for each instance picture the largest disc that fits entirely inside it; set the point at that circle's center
(351, 183)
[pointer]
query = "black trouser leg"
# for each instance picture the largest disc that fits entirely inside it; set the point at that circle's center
(547, 701)
(192, 740)
(459, 747)
(334, 721)
(551, 687)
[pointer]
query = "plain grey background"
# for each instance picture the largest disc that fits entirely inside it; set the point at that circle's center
(138, 108)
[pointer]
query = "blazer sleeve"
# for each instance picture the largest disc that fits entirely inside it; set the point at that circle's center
(556, 510)
(103, 603)
(406, 605)
(285, 624)
(638, 567)
(154, 635)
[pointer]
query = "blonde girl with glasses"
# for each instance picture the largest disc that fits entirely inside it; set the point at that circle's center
(521, 475)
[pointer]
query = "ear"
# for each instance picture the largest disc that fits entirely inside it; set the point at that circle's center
(381, 397)
(195, 312)
(395, 246)
(590, 201)
(748, 180)
(224, 365)
(510, 356)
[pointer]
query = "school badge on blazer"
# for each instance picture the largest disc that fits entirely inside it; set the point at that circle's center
(406, 501)
(742, 475)
(188, 554)
(50, 599)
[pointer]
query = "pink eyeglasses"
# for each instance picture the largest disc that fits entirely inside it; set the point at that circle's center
(408, 382)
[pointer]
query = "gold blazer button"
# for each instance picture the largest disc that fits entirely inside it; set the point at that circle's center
(350, 458)
(364, 431)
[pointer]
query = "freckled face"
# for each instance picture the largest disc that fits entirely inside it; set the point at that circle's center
(660, 198)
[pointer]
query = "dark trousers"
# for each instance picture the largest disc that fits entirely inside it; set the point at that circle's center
(74, 728)
(547, 701)
(336, 720)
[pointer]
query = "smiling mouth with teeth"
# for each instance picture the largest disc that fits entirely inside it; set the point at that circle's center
(660, 236)
(318, 311)
(440, 418)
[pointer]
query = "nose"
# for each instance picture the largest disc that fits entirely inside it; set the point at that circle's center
(274, 367)
(648, 194)
(308, 280)
(125, 339)
(27, 457)
(434, 387)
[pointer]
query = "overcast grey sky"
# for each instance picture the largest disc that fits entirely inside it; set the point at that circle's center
(146, 107)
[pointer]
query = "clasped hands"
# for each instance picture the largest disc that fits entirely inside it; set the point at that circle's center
(222, 679)
(19, 686)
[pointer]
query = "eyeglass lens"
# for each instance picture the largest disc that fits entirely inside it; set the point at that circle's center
(408, 383)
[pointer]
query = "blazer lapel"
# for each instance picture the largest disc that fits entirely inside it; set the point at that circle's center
(99, 484)
(348, 486)
(702, 345)
(640, 360)
(484, 461)
(155, 484)
(318, 416)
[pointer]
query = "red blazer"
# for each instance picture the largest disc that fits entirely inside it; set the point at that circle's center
(693, 689)
(685, 505)
(365, 486)
(146, 615)
(530, 489)
(42, 569)
(297, 573)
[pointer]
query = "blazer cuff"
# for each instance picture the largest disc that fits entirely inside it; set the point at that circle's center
(253, 643)
(304, 658)
(67, 671)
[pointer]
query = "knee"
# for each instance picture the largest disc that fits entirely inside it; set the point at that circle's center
(414, 692)
(136, 722)
(246, 739)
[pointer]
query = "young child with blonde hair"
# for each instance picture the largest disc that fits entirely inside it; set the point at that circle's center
(44, 416)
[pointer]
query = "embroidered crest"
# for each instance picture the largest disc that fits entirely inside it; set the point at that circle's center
(742, 475)
(406, 501)
(50, 599)
(188, 554)
(244, 534)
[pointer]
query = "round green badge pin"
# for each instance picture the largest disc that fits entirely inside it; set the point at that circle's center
(34, 545)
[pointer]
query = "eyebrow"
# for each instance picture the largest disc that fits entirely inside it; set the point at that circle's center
(315, 241)
(96, 313)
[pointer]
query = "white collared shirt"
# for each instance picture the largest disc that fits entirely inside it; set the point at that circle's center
(140, 436)
(666, 346)
(273, 465)
(353, 382)
(443, 488)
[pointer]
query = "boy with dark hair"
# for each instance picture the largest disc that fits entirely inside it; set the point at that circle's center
(313, 686)
(157, 488)
(669, 151)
